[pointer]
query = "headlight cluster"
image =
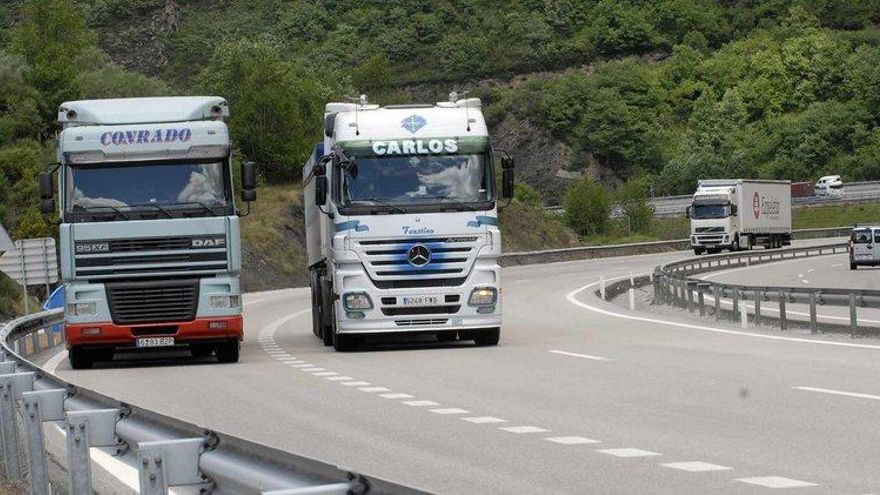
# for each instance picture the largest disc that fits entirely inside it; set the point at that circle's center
(225, 302)
(483, 296)
(357, 301)
(83, 308)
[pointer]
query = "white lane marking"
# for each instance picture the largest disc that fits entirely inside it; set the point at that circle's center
(836, 265)
(338, 378)
(741, 268)
(696, 466)
(53, 362)
(484, 419)
(838, 392)
(371, 390)
(583, 356)
(325, 373)
(291, 360)
(450, 410)
(355, 384)
(420, 403)
(805, 281)
(811, 270)
(303, 365)
(523, 429)
(572, 299)
(626, 453)
(572, 440)
(775, 482)
(396, 396)
(313, 369)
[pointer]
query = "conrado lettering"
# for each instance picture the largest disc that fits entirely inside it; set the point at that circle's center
(415, 147)
(123, 138)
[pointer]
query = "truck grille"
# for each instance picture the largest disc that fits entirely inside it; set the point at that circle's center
(130, 258)
(389, 267)
(702, 230)
(153, 302)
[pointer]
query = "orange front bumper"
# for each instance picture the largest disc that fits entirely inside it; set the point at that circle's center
(100, 334)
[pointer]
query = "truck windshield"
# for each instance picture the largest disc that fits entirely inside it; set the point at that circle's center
(704, 212)
(458, 181)
(135, 190)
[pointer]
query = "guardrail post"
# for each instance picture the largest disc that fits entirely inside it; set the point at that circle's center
(79, 462)
(735, 298)
(167, 463)
(813, 319)
(716, 291)
(690, 295)
(744, 316)
(602, 287)
(9, 427)
(853, 320)
(632, 299)
(701, 301)
(758, 297)
(655, 278)
(36, 448)
(782, 322)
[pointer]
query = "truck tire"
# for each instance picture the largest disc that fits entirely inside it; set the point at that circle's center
(853, 266)
(443, 337)
(326, 330)
(228, 352)
(698, 250)
(201, 350)
(487, 337)
(80, 359)
(344, 343)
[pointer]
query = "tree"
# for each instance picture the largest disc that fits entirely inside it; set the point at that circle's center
(632, 197)
(50, 37)
(587, 207)
(276, 107)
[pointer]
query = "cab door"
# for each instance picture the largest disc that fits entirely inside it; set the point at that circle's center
(875, 251)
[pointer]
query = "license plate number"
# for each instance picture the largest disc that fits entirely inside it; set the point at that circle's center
(863, 256)
(420, 300)
(155, 342)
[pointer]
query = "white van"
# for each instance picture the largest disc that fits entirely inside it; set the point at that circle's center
(864, 247)
(830, 185)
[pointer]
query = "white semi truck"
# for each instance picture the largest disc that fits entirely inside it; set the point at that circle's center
(739, 214)
(402, 223)
(149, 233)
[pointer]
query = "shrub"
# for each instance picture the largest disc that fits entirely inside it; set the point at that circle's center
(587, 207)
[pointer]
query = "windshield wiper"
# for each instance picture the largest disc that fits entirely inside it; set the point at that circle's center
(115, 209)
(456, 201)
(203, 205)
(154, 205)
(383, 203)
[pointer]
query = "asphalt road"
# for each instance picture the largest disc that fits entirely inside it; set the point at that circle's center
(581, 396)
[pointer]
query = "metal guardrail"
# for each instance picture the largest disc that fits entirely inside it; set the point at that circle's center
(675, 285)
(166, 451)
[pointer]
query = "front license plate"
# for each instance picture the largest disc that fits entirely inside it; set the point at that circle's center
(420, 300)
(863, 256)
(156, 342)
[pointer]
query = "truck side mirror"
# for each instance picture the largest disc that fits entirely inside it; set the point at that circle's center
(248, 182)
(507, 182)
(733, 210)
(46, 191)
(687, 212)
(47, 206)
(320, 190)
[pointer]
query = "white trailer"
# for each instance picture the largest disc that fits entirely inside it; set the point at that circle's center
(739, 214)
(402, 223)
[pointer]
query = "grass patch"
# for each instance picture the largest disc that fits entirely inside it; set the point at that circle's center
(817, 217)
(530, 228)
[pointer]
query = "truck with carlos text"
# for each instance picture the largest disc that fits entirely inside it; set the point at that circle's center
(149, 232)
(402, 223)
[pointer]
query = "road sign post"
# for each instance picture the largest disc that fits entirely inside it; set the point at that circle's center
(31, 262)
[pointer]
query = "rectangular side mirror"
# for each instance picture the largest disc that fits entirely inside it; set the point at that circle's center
(507, 181)
(733, 210)
(47, 205)
(46, 190)
(507, 163)
(687, 212)
(320, 190)
(248, 182)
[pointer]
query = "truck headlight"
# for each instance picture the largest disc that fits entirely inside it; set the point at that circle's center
(83, 308)
(483, 296)
(357, 301)
(225, 302)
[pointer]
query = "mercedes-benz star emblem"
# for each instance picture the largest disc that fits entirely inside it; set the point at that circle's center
(418, 255)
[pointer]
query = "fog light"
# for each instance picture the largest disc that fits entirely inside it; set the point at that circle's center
(357, 301)
(217, 325)
(90, 331)
(224, 302)
(355, 315)
(483, 296)
(83, 308)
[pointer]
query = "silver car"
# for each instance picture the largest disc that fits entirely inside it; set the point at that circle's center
(864, 247)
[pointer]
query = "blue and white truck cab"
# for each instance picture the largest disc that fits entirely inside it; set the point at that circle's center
(149, 234)
(402, 223)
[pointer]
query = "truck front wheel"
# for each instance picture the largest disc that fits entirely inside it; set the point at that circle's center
(344, 343)
(698, 250)
(487, 337)
(80, 358)
(228, 352)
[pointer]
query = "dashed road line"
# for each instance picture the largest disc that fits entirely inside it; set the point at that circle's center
(838, 392)
(523, 429)
(312, 369)
(371, 390)
(572, 440)
(775, 482)
(696, 466)
(303, 365)
(338, 378)
(449, 410)
(420, 403)
(484, 419)
(325, 373)
(396, 396)
(628, 452)
(582, 356)
(355, 384)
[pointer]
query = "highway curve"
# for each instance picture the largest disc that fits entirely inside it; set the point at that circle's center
(582, 396)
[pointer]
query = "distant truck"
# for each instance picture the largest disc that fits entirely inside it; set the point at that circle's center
(739, 214)
(402, 223)
(149, 233)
